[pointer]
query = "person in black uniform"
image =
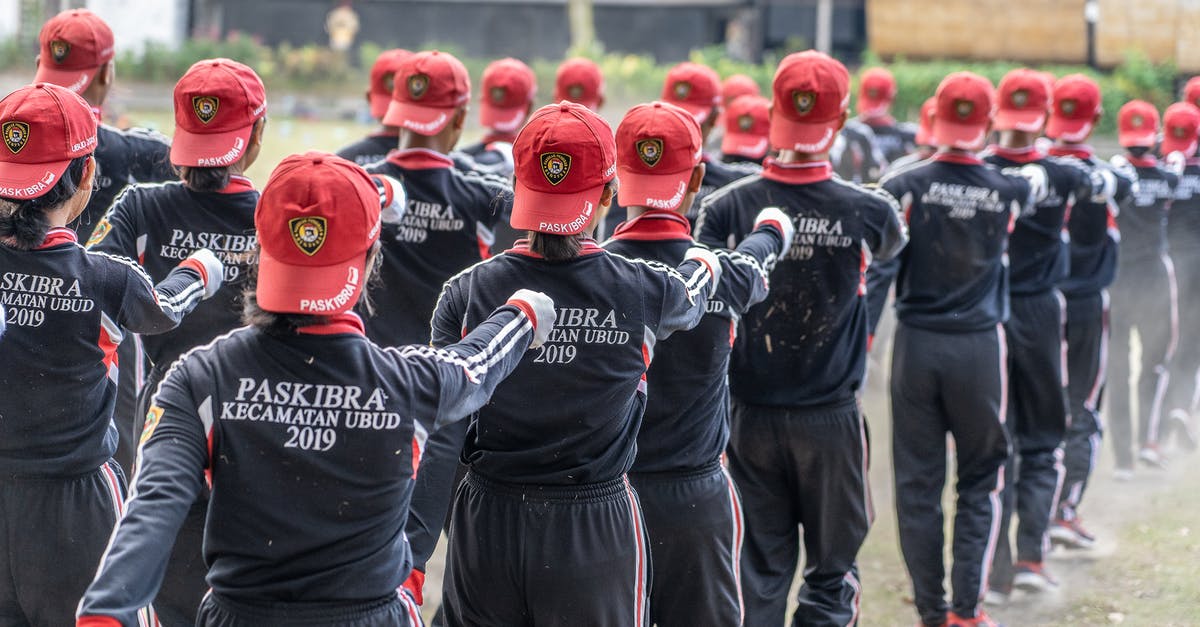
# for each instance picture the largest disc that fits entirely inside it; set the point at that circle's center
(876, 93)
(1144, 294)
(545, 528)
(691, 506)
(1037, 399)
(508, 93)
(376, 146)
(1181, 124)
(67, 310)
(307, 432)
(855, 154)
(747, 124)
(798, 444)
(949, 362)
(1075, 111)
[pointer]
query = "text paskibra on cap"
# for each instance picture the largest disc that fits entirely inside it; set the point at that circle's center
(308, 233)
(59, 49)
(650, 151)
(418, 84)
(16, 135)
(555, 166)
(205, 107)
(804, 101)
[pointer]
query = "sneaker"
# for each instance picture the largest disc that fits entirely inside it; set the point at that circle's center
(1032, 577)
(1151, 456)
(1123, 474)
(1181, 425)
(1070, 534)
(995, 598)
(981, 619)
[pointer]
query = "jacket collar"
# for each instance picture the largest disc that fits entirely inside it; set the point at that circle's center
(797, 173)
(58, 236)
(1028, 154)
(957, 157)
(655, 225)
(346, 322)
(419, 159)
(1079, 151)
(237, 185)
(521, 247)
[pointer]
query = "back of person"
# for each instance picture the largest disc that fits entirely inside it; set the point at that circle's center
(1143, 222)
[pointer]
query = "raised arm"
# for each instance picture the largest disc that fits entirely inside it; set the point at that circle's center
(744, 280)
(150, 308)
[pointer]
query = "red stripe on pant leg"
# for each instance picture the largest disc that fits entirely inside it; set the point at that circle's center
(735, 503)
(640, 562)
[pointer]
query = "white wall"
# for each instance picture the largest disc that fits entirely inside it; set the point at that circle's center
(9, 14)
(135, 22)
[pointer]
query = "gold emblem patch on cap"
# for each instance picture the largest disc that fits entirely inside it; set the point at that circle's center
(682, 89)
(59, 49)
(745, 121)
(16, 135)
(418, 84)
(964, 108)
(308, 233)
(575, 91)
(497, 94)
(1068, 106)
(205, 107)
(650, 151)
(1137, 120)
(873, 93)
(1019, 98)
(389, 81)
(555, 166)
(1179, 132)
(804, 101)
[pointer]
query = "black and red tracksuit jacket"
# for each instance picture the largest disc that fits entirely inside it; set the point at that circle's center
(160, 225)
(309, 442)
(124, 158)
(1143, 220)
(686, 422)
(1093, 227)
(371, 149)
(66, 311)
(892, 138)
(953, 276)
(806, 344)
(1184, 232)
(448, 226)
(855, 155)
(1038, 248)
(492, 154)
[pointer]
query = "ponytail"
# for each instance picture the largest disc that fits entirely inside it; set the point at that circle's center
(555, 247)
(204, 179)
(24, 223)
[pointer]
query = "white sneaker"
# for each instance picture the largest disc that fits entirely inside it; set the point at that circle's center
(1123, 474)
(1070, 534)
(995, 598)
(1032, 577)
(1150, 456)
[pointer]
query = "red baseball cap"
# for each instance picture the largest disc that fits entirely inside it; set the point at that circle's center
(1181, 129)
(925, 124)
(564, 156)
(747, 124)
(693, 87)
(579, 80)
(1024, 101)
(876, 91)
(430, 85)
(1191, 90)
(509, 88)
(965, 104)
(45, 127)
(738, 85)
(811, 93)
(316, 219)
(383, 75)
(217, 103)
(658, 146)
(1137, 124)
(1075, 105)
(74, 45)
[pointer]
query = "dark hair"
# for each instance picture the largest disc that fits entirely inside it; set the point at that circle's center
(200, 179)
(23, 223)
(284, 324)
(555, 247)
(1138, 151)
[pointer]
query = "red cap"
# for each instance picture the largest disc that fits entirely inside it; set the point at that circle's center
(1137, 124)
(925, 124)
(217, 103)
(747, 124)
(563, 158)
(1191, 91)
(876, 91)
(658, 146)
(509, 88)
(811, 94)
(579, 80)
(1181, 127)
(45, 127)
(738, 85)
(1075, 105)
(429, 87)
(316, 219)
(74, 45)
(965, 104)
(383, 75)
(1024, 101)
(694, 88)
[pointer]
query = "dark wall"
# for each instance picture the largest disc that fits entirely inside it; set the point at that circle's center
(798, 18)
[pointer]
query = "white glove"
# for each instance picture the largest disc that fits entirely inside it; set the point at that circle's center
(775, 216)
(393, 200)
(1175, 162)
(540, 309)
(214, 271)
(1104, 184)
(709, 259)
(1039, 183)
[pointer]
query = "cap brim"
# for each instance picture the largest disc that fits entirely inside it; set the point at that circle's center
(924, 138)
(416, 118)
(1072, 131)
(1026, 120)
(571, 214)
(656, 191)
(505, 120)
(744, 144)
(316, 290)
(209, 150)
(29, 180)
(379, 105)
(74, 80)
(961, 136)
(1172, 144)
(808, 138)
(870, 108)
(1137, 138)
